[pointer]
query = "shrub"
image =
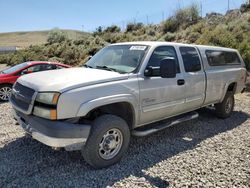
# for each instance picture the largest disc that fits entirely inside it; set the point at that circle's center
(98, 30)
(182, 18)
(5, 59)
(245, 7)
(134, 27)
(151, 32)
(199, 27)
(56, 59)
(56, 36)
(244, 49)
(187, 16)
(170, 25)
(193, 37)
(220, 36)
(169, 37)
(113, 29)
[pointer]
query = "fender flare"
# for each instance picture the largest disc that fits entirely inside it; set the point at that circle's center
(226, 87)
(88, 106)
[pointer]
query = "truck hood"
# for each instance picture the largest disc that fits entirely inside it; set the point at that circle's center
(67, 79)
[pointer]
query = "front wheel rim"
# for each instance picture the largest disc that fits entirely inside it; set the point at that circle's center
(110, 144)
(5, 93)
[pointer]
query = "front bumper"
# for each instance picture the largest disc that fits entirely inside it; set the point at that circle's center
(58, 134)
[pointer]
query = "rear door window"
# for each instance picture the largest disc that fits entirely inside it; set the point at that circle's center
(48, 67)
(59, 67)
(190, 59)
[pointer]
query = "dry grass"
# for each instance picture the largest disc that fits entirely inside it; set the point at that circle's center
(25, 39)
(3, 66)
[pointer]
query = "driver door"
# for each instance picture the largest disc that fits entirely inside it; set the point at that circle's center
(160, 97)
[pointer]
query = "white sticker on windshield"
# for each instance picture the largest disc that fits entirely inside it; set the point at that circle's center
(138, 48)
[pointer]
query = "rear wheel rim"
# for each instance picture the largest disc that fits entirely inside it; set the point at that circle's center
(229, 105)
(5, 93)
(110, 144)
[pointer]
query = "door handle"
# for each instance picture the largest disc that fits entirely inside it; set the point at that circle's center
(180, 82)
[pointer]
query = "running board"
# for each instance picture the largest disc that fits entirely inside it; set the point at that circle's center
(155, 127)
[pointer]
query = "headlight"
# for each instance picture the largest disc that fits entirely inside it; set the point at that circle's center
(46, 113)
(47, 105)
(48, 98)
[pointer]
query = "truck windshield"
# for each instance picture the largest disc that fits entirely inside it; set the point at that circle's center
(118, 58)
(15, 68)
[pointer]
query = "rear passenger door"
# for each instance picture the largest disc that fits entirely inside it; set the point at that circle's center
(194, 77)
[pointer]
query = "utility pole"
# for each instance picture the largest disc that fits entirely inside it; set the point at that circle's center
(123, 25)
(147, 20)
(201, 8)
(136, 17)
(228, 5)
(163, 16)
(179, 5)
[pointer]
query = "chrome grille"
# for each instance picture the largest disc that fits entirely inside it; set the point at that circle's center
(21, 96)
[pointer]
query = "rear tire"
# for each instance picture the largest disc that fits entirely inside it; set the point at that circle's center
(108, 141)
(5, 91)
(225, 108)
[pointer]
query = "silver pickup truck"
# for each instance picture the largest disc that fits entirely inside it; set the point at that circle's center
(126, 89)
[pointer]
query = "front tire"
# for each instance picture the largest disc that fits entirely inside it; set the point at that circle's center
(225, 108)
(108, 141)
(5, 91)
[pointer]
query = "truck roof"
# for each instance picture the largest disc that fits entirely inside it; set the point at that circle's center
(157, 43)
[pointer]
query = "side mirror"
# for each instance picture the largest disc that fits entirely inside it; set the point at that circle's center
(24, 72)
(152, 71)
(168, 68)
(89, 57)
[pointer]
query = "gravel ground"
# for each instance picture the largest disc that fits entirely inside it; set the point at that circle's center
(207, 152)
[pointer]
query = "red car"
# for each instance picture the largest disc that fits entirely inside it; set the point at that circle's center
(9, 76)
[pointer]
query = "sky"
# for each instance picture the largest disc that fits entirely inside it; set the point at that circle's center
(87, 15)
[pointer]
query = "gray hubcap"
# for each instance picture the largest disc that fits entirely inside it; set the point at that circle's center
(110, 144)
(229, 105)
(5, 93)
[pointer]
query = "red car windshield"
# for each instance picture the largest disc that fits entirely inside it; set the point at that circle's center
(15, 68)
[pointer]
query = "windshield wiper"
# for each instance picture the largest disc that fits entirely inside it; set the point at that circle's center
(85, 65)
(107, 68)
